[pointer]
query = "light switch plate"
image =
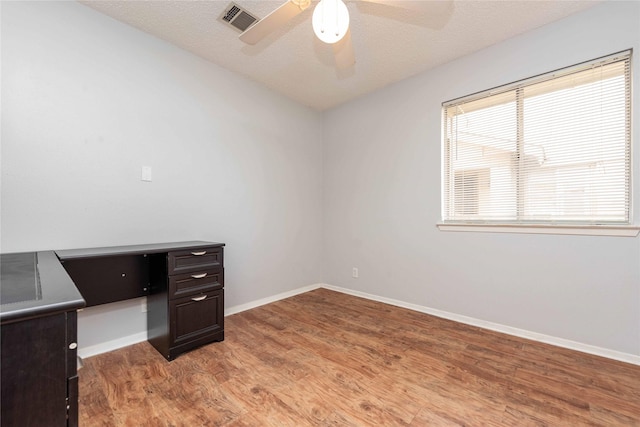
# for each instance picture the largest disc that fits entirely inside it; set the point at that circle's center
(146, 173)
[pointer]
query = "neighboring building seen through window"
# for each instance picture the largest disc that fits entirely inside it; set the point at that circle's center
(553, 149)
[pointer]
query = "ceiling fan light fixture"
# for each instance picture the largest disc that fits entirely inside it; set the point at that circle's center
(330, 20)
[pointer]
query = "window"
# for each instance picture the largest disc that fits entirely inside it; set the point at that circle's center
(473, 186)
(551, 150)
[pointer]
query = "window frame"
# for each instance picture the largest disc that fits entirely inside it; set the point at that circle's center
(545, 227)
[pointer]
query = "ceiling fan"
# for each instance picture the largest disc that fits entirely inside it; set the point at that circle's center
(330, 23)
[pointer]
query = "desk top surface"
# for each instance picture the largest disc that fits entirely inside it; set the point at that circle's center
(133, 249)
(35, 284)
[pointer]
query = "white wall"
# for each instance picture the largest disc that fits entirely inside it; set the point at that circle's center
(87, 101)
(382, 160)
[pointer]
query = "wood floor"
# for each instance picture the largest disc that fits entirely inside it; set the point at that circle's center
(328, 359)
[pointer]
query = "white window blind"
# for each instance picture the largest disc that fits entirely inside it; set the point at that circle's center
(554, 149)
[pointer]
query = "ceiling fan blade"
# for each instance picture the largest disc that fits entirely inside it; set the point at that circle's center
(271, 22)
(415, 5)
(343, 52)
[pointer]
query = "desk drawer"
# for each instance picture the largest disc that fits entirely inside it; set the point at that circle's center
(194, 260)
(196, 316)
(198, 281)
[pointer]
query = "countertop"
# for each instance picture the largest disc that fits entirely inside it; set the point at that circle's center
(132, 249)
(35, 284)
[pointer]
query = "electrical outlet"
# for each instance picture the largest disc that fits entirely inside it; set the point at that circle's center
(354, 272)
(143, 305)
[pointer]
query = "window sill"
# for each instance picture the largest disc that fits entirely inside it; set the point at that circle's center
(581, 230)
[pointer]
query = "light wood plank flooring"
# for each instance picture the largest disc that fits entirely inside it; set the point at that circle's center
(324, 358)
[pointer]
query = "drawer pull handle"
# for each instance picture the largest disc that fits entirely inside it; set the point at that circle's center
(73, 346)
(198, 253)
(198, 276)
(203, 297)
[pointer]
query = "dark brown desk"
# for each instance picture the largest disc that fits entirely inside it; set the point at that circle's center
(39, 299)
(183, 283)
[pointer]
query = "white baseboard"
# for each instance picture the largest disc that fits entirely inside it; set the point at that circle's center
(111, 345)
(560, 342)
(547, 339)
(257, 303)
(107, 346)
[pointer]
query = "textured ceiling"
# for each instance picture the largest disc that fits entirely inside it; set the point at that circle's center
(390, 43)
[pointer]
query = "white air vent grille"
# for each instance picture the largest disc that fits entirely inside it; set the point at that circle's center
(237, 17)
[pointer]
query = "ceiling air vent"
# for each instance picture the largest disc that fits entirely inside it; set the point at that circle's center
(237, 17)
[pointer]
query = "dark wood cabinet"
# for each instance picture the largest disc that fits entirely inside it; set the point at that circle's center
(39, 342)
(34, 355)
(186, 301)
(195, 317)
